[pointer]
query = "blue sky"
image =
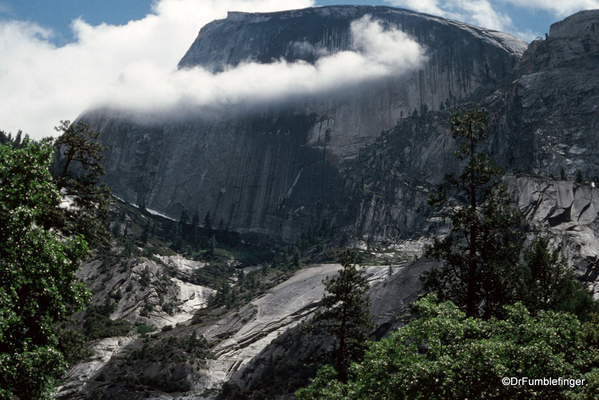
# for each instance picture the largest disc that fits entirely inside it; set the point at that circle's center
(59, 58)
(528, 20)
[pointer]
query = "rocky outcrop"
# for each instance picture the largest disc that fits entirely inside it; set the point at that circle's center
(567, 212)
(282, 168)
(242, 337)
(389, 295)
(551, 121)
(146, 291)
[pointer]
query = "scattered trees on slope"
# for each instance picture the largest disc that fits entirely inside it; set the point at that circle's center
(532, 310)
(42, 241)
(547, 283)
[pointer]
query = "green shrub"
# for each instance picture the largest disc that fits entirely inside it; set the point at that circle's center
(443, 355)
(145, 329)
(97, 323)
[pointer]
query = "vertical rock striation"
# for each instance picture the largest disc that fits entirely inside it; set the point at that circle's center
(279, 169)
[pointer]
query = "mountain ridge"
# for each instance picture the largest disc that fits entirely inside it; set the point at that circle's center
(281, 168)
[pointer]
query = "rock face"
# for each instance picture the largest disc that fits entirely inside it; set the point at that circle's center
(243, 337)
(552, 115)
(568, 213)
(279, 170)
(148, 293)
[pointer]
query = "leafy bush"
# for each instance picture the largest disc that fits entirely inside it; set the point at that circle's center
(145, 329)
(98, 325)
(443, 355)
(173, 349)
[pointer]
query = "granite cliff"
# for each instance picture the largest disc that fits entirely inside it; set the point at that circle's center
(361, 161)
(279, 169)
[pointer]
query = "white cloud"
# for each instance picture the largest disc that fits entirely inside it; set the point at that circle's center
(559, 8)
(41, 84)
(476, 12)
(485, 13)
(376, 53)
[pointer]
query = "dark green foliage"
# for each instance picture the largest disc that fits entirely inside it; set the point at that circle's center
(208, 221)
(279, 377)
(117, 296)
(72, 343)
(173, 350)
(168, 308)
(314, 239)
(17, 142)
(38, 287)
(77, 171)
(444, 355)
(480, 255)
(144, 277)
(578, 178)
(211, 246)
(222, 297)
(296, 263)
(547, 283)
(143, 329)
(97, 323)
(116, 230)
(345, 313)
(212, 275)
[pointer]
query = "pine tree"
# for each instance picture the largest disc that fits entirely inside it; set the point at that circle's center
(77, 170)
(345, 313)
(208, 221)
(296, 262)
(211, 246)
(480, 255)
(547, 283)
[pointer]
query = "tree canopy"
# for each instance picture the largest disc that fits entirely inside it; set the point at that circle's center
(547, 283)
(38, 287)
(77, 171)
(481, 253)
(444, 355)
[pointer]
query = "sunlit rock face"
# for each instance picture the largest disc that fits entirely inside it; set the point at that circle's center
(277, 168)
(567, 213)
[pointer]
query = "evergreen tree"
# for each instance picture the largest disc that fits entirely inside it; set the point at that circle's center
(195, 221)
(480, 255)
(547, 283)
(77, 171)
(345, 313)
(578, 176)
(444, 355)
(211, 246)
(207, 221)
(296, 263)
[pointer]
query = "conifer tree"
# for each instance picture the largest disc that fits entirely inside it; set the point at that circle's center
(77, 171)
(345, 313)
(547, 283)
(480, 254)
